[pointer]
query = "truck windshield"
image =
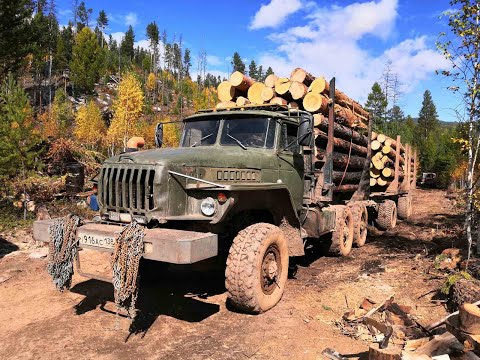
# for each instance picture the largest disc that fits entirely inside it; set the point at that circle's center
(254, 133)
(200, 133)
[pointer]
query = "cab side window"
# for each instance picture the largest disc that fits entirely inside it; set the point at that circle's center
(288, 138)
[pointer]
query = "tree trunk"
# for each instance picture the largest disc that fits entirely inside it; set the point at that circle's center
(470, 318)
(346, 116)
(298, 90)
(340, 131)
(346, 188)
(391, 353)
(255, 93)
(314, 102)
(341, 161)
(340, 144)
(268, 93)
(302, 76)
(271, 80)
(319, 86)
(226, 91)
(240, 81)
(350, 177)
(282, 85)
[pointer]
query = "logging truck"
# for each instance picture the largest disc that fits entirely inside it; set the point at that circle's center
(255, 183)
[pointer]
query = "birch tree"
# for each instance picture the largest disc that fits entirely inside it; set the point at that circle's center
(461, 47)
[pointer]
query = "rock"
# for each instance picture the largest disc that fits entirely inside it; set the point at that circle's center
(40, 254)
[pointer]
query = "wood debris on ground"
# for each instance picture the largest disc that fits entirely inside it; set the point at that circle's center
(394, 332)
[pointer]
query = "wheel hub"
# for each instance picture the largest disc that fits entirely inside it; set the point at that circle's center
(270, 270)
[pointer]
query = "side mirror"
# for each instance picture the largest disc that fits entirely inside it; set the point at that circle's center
(159, 135)
(305, 135)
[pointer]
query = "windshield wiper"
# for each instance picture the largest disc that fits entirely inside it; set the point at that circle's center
(199, 141)
(237, 141)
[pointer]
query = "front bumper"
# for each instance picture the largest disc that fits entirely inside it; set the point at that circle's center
(160, 244)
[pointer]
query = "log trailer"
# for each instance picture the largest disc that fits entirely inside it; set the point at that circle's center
(254, 181)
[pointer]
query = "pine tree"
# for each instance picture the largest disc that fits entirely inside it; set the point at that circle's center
(90, 128)
(260, 75)
(237, 63)
(427, 118)
(102, 22)
(88, 60)
(376, 105)
(269, 72)
(126, 47)
(252, 70)
(186, 63)
(153, 35)
(15, 35)
(65, 42)
(18, 136)
(83, 15)
(127, 109)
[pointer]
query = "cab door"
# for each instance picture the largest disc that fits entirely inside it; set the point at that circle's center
(290, 163)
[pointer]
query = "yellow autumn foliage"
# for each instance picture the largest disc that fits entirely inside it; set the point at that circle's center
(127, 110)
(205, 99)
(56, 122)
(171, 132)
(151, 79)
(90, 128)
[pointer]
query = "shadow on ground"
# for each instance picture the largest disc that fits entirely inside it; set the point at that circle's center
(6, 247)
(174, 291)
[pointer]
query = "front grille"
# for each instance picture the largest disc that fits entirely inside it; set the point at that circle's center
(127, 188)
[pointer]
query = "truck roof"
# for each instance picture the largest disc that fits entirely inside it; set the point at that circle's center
(277, 111)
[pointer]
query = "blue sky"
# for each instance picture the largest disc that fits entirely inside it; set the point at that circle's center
(351, 40)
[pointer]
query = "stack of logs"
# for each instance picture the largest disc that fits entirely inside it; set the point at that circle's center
(382, 166)
(301, 91)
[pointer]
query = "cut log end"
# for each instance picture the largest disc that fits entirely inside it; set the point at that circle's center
(226, 105)
(390, 353)
(270, 80)
(255, 93)
(225, 91)
(318, 86)
(278, 101)
(241, 81)
(301, 76)
(282, 85)
(267, 93)
(298, 90)
(242, 101)
(314, 102)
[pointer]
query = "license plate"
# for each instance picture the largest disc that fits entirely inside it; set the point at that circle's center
(96, 240)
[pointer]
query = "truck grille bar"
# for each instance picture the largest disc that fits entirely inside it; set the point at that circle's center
(130, 188)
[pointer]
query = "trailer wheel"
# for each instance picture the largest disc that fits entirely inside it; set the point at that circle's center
(387, 215)
(404, 207)
(257, 268)
(360, 223)
(342, 236)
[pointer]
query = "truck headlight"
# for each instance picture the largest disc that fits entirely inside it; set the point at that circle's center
(208, 206)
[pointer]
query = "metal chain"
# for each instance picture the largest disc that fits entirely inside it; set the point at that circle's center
(125, 264)
(62, 250)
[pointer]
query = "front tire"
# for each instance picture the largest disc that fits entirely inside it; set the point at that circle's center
(257, 268)
(360, 224)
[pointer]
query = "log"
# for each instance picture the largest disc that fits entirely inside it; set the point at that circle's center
(298, 90)
(340, 144)
(465, 291)
(346, 188)
(315, 103)
(349, 177)
(255, 93)
(319, 86)
(381, 138)
(347, 116)
(390, 353)
(442, 321)
(293, 105)
(381, 181)
(470, 318)
(302, 76)
(279, 101)
(226, 91)
(345, 101)
(268, 93)
(242, 101)
(388, 142)
(341, 161)
(240, 81)
(386, 149)
(373, 181)
(374, 135)
(282, 85)
(387, 172)
(340, 131)
(270, 80)
(226, 105)
(376, 145)
(374, 173)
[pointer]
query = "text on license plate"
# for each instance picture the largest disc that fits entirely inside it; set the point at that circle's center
(97, 240)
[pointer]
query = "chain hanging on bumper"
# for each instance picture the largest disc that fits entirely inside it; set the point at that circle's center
(62, 250)
(125, 265)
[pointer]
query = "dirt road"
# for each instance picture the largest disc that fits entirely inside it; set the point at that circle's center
(183, 313)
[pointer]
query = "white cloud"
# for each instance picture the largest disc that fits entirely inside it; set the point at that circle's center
(328, 44)
(214, 60)
(274, 13)
(143, 44)
(131, 19)
(118, 36)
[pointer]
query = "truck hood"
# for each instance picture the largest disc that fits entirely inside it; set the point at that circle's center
(205, 156)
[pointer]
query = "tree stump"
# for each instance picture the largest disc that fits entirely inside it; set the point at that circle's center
(390, 353)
